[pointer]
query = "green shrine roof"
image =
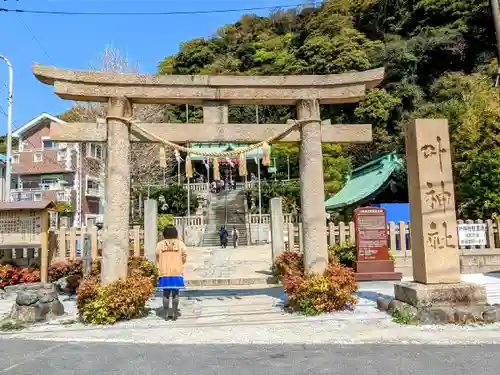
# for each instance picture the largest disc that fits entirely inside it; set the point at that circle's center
(365, 181)
(221, 147)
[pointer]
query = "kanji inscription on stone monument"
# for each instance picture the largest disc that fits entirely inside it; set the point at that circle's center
(433, 223)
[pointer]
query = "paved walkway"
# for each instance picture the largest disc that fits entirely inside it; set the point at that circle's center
(243, 265)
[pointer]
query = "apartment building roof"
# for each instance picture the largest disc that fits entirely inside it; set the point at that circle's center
(35, 122)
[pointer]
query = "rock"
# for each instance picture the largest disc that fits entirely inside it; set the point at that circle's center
(397, 305)
(383, 304)
(13, 289)
(492, 314)
(436, 315)
(468, 315)
(68, 284)
(2, 294)
(41, 303)
(26, 298)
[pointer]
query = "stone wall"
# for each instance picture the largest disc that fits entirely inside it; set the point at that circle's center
(471, 261)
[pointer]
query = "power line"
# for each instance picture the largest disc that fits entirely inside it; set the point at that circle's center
(33, 36)
(171, 13)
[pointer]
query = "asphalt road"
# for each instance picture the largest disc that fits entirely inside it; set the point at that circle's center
(54, 358)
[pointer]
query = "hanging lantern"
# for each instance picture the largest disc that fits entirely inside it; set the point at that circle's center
(266, 158)
(242, 165)
(216, 169)
(189, 167)
(163, 158)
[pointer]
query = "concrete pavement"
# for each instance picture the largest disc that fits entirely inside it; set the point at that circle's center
(57, 358)
(244, 265)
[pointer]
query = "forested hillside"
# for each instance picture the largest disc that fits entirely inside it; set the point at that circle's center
(440, 60)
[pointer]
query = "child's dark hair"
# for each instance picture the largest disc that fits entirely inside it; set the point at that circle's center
(170, 233)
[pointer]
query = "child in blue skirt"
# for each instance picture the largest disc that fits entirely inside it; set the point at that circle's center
(171, 257)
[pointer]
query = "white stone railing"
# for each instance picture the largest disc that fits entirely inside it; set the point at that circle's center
(196, 221)
(266, 218)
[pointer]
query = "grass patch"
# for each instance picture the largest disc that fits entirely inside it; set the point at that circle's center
(404, 317)
(11, 325)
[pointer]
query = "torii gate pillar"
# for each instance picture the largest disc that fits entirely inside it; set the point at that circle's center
(117, 207)
(312, 188)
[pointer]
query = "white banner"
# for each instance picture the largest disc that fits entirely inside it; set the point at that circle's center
(472, 235)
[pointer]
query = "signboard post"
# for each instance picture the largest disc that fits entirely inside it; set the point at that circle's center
(25, 225)
(472, 235)
(87, 254)
(372, 246)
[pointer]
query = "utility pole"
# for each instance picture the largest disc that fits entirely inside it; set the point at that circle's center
(258, 174)
(495, 11)
(8, 169)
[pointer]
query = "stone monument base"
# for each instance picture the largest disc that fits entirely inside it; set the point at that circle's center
(459, 303)
(376, 270)
(417, 294)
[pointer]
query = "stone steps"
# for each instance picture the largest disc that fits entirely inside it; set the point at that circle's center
(254, 306)
(230, 281)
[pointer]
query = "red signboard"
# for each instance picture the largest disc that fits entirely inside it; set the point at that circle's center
(371, 234)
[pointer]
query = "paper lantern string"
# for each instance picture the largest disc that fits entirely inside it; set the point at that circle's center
(189, 167)
(216, 169)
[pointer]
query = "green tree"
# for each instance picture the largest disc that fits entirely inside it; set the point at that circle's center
(472, 106)
(176, 198)
(431, 49)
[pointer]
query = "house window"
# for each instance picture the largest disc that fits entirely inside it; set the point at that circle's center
(92, 219)
(24, 145)
(92, 186)
(48, 183)
(61, 155)
(47, 143)
(94, 150)
(15, 159)
(37, 196)
(37, 157)
(62, 196)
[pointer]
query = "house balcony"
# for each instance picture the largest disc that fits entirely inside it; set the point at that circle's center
(41, 194)
(94, 192)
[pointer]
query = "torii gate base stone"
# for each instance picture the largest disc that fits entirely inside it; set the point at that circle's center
(215, 94)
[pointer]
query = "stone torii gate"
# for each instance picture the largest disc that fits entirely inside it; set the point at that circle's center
(214, 93)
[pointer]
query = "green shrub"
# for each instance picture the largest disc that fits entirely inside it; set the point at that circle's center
(314, 294)
(123, 299)
(345, 254)
(140, 266)
(164, 220)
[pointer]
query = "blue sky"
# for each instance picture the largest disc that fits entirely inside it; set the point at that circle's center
(76, 41)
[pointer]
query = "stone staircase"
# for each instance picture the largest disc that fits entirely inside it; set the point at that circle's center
(216, 217)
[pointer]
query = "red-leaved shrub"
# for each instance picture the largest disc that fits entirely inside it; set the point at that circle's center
(314, 294)
(289, 263)
(13, 275)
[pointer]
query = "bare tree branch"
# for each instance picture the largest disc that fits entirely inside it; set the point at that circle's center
(144, 157)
